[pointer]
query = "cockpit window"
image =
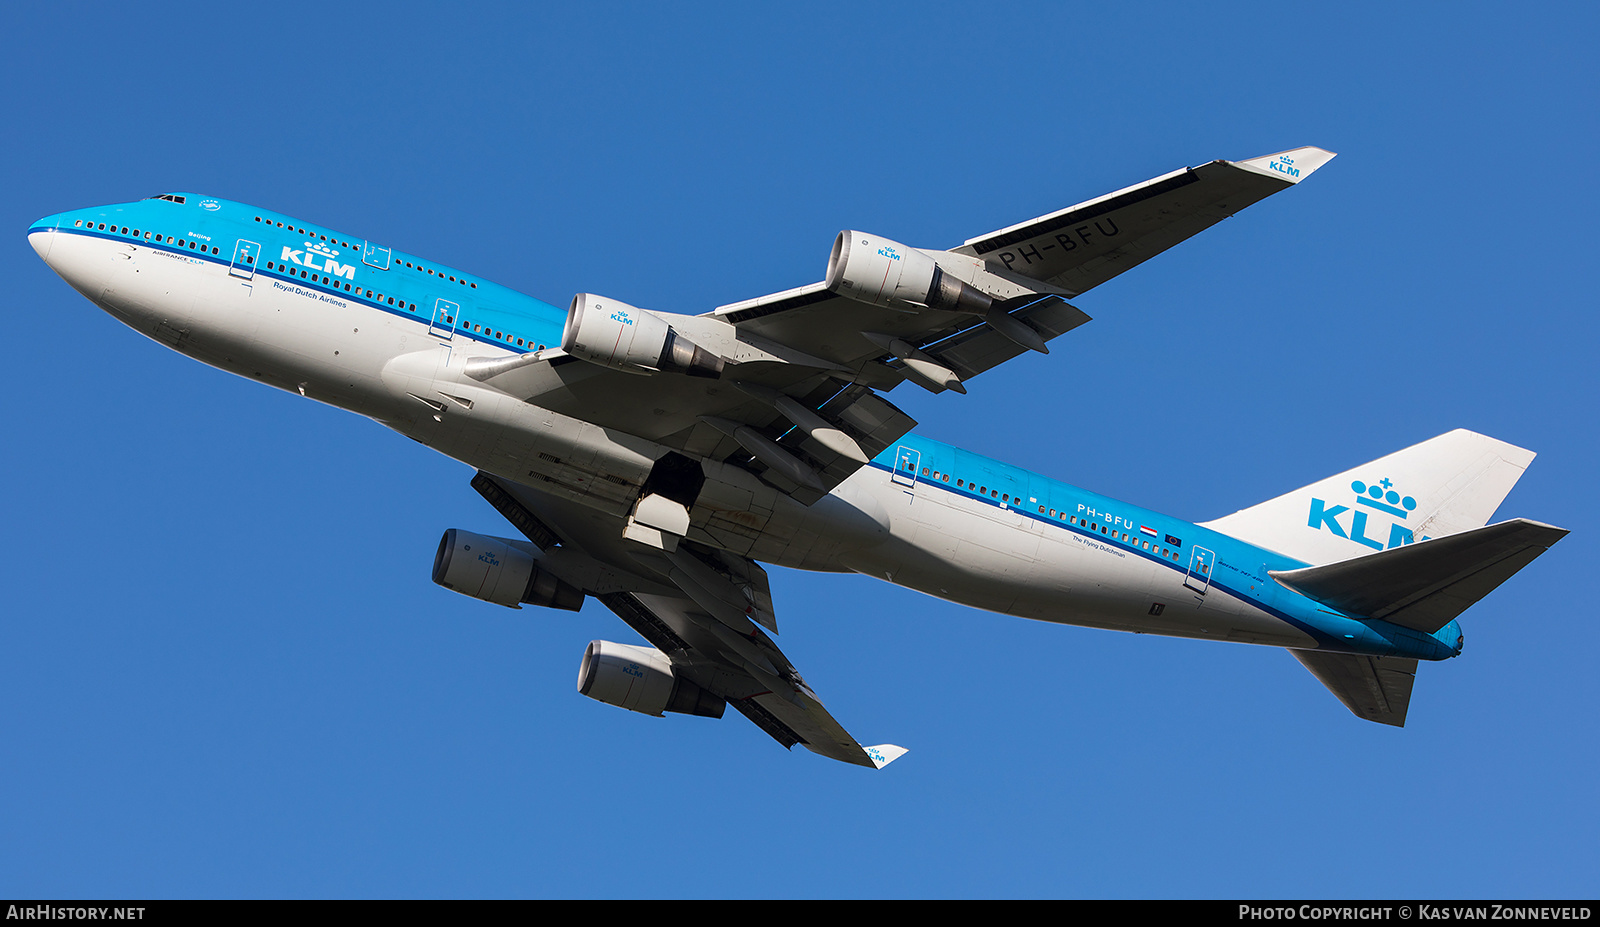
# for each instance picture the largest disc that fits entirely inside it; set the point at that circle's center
(166, 196)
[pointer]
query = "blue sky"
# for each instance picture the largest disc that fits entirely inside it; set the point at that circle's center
(224, 671)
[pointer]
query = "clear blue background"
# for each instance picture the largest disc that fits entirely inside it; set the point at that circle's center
(224, 672)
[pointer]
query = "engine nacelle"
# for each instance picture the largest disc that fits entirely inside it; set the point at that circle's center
(886, 273)
(499, 570)
(641, 679)
(606, 331)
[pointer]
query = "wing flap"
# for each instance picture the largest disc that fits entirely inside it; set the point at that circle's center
(981, 348)
(1424, 586)
(870, 421)
(1373, 688)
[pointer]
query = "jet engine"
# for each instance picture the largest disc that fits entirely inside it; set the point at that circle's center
(499, 570)
(886, 273)
(615, 334)
(641, 679)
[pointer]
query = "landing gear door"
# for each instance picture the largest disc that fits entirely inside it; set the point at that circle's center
(906, 461)
(244, 259)
(443, 326)
(1199, 576)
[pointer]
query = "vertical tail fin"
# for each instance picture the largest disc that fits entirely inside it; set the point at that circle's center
(1442, 486)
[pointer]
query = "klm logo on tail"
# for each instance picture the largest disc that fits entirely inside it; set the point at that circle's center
(1379, 498)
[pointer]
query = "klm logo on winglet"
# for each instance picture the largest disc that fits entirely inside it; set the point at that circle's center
(1379, 498)
(1284, 165)
(308, 260)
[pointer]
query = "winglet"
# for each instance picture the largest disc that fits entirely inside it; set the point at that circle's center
(884, 754)
(1292, 166)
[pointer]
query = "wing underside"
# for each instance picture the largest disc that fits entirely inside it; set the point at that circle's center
(751, 674)
(695, 605)
(1083, 246)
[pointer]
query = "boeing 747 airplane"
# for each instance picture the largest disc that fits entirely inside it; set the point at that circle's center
(654, 462)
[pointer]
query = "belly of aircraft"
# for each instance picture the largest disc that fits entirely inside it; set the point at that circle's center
(1000, 560)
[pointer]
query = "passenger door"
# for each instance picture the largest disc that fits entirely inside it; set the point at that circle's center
(445, 313)
(906, 461)
(1199, 576)
(244, 259)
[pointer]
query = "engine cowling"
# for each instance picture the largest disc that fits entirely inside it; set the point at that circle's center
(641, 679)
(875, 270)
(499, 570)
(615, 334)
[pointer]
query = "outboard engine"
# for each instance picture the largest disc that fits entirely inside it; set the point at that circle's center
(501, 571)
(641, 679)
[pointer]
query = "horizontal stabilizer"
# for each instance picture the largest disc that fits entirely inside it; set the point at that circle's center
(1375, 688)
(1424, 585)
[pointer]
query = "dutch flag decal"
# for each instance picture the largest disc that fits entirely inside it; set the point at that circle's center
(1148, 530)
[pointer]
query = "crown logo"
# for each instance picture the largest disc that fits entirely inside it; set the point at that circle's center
(1381, 496)
(321, 249)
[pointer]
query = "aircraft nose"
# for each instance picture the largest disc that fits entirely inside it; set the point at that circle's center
(41, 236)
(74, 258)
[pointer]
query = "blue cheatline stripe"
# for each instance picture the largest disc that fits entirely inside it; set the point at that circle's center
(1322, 637)
(260, 271)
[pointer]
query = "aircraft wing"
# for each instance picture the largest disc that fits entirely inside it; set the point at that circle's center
(745, 668)
(789, 384)
(1061, 254)
(842, 423)
(1083, 246)
(696, 605)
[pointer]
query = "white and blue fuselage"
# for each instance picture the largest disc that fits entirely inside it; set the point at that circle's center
(387, 335)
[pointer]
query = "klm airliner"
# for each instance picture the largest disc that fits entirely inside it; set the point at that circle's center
(654, 462)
